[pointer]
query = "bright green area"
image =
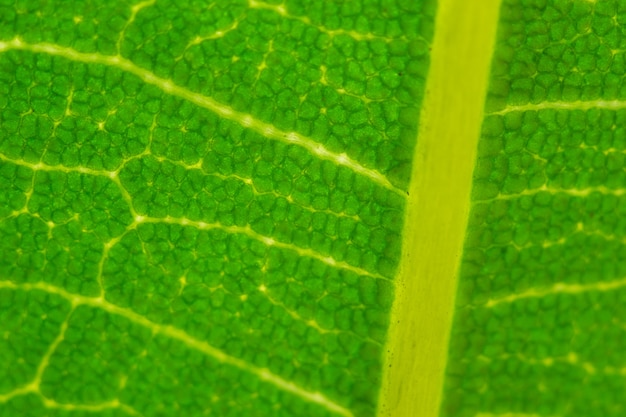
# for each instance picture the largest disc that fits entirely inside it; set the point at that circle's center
(201, 204)
(539, 326)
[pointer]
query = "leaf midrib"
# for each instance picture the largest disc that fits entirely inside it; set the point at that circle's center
(438, 208)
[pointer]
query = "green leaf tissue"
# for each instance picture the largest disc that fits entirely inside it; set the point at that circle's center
(330, 208)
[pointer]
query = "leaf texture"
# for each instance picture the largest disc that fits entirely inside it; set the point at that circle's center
(252, 208)
(202, 203)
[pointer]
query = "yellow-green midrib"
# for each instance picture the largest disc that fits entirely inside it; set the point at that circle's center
(438, 207)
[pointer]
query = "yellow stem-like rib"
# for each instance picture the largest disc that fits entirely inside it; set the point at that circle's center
(438, 207)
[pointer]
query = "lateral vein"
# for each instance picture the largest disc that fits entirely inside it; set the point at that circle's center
(268, 241)
(167, 86)
(283, 12)
(188, 340)
(564, 105)
(199, 224)
(559, 288)
(572, 192)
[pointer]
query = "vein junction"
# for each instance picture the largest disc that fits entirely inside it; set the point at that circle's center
(117, 224)
(201, 225)
(34, 386)
(100, 302)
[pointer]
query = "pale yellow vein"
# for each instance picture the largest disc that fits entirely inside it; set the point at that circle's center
(34, 387)
(573, 192)
(560, 288)
(564, 105)
(250, 183)
(133, 14)
(201, 225)
(312, 323)
(570, 359)
(219, 33)
(269, 241)
(281, 9)
(191, 342)
(167, 86)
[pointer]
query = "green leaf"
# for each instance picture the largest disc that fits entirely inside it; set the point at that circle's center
(253, 208)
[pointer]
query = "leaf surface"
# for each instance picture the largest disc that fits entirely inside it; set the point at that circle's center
(202, 203)
(358, 208)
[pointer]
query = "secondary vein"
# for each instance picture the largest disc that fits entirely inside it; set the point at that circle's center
(564, 105)
(185, 338)
(167, 86)
(185, 222)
